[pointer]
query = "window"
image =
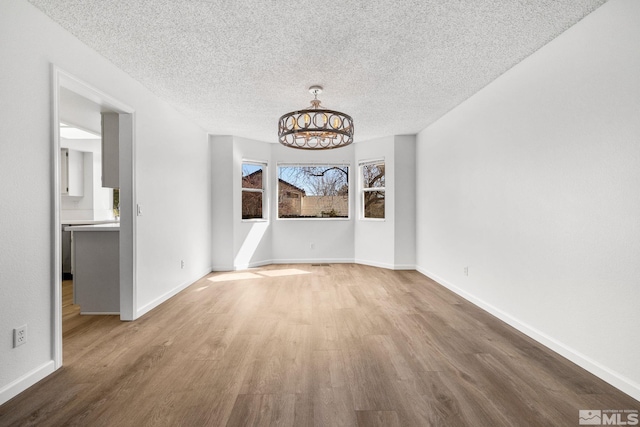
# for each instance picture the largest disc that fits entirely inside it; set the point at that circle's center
(313, 191)
(116, 203)
(373, 185)
(253, 194)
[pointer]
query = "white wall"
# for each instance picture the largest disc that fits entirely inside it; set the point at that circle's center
(404, 177)
(332, 239)
(252, 238)
(375, 239)
(222, 213)
(389, 243)
(172, 183)
(173, 189)
(79, 111)
(533, 184)
(237, 243)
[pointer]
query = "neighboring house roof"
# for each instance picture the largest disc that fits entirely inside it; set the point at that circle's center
(293, 187)
(258, 173)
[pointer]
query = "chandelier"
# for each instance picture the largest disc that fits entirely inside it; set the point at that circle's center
(315, 128)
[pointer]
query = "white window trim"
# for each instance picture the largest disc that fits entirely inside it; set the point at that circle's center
(263, 190)
(361, 165)
(328, 163)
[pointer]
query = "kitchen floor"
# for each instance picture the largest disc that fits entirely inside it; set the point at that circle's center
(72, 320)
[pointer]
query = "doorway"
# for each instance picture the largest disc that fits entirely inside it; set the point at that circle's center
(80, 106)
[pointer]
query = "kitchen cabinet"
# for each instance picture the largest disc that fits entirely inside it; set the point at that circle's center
(110, 150)
(96, 271)
(67, 243)
(71, 172)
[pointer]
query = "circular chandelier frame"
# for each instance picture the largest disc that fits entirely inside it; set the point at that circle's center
(315, 128)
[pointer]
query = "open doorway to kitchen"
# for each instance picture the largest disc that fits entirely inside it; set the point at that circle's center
(93, 207)
(84, 203)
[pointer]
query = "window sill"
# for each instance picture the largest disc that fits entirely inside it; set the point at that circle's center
(314, 219)
(255, 220)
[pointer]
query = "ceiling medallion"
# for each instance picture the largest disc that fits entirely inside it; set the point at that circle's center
(315, 128)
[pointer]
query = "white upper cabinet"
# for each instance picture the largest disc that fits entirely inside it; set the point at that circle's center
(110, 150)
(71, 172)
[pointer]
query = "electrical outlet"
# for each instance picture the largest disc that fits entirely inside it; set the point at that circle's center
(19, 336)
(466, 271)
(181, 263)
(312, 245)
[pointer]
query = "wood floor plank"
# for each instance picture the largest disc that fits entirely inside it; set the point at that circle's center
(307, 345)
(328, 369)
(370, 387)
(378, 419)
(263, 410)
(333, 407)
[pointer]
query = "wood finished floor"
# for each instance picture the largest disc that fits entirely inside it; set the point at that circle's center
(301, 345)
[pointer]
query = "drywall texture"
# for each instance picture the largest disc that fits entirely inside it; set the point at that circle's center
(389, 243)
(172, 183)
(404, 192)
(237, 244)
(374, 239)
(252, 239)
(173, 190)
(533, 185)
(25, 227)
(222, 213)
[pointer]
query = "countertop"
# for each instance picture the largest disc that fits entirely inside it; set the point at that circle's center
(87, 221)
(112, 226)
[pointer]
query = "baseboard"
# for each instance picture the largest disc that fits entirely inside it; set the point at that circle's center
(385, 265)
(314, 261)
(221, 268)
(100, 313)
(404, 267)
(375, 264)
(255, 264)
(162, 298)
(620, 382)
(16, 387)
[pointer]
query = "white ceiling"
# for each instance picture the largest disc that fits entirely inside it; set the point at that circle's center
(395, 66)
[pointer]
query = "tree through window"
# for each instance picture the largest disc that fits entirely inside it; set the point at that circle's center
(312, 191)
(373, 189)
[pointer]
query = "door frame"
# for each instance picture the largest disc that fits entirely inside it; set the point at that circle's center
(63, 79)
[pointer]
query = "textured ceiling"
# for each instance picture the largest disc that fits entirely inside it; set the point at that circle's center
(395, 66)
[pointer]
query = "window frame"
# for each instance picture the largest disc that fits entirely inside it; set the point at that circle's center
(264, 190)
(364, 190)
(314, 164)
